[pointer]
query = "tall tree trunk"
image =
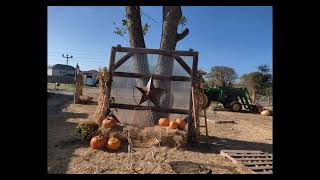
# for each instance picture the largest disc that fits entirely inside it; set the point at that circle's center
(169, 39)
(140, 62)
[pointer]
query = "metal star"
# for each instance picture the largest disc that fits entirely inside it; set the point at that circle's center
(150, 93)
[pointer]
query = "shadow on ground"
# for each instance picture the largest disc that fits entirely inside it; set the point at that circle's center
(215, 144)
(62, 141)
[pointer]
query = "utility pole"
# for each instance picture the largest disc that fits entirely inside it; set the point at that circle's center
(67, 56)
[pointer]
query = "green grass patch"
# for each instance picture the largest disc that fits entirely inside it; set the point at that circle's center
(62, 87)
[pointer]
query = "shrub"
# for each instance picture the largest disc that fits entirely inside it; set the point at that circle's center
(86, 130)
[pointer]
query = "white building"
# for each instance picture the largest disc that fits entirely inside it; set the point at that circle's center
(90, 77)
(61, 70)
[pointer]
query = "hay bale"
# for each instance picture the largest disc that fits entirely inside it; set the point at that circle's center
(147, 137)
(118, 131)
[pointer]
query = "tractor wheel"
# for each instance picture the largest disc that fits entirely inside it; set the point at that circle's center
(235, 106)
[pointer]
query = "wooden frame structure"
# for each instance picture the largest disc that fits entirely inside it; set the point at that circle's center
(192, 71)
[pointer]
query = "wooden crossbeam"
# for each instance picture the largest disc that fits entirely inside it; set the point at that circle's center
(153, 108)
(183, 64)
(121, 61)
(164, 52)
(155, 76)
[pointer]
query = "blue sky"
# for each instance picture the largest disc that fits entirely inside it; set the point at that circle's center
(238, 37)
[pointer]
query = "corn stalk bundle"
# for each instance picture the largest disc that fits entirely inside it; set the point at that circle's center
(103, 99)
(78, 88)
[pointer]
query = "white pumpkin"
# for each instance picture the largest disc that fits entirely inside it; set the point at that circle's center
(265, 113)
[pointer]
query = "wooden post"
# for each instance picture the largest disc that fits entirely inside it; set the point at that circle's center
(193, 126)
(78, 86)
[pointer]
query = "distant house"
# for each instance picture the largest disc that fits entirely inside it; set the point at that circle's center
(61, 70)
(90, 77)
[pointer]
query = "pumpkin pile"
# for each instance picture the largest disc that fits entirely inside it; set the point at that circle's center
(103, 140)
(178, 123)
(100, 141)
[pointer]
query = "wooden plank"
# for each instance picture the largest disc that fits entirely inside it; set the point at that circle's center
(155, 76)
(264, 172)
(195, 68)
(250, 155)
(241, 151)
(260, 168)
(121, 61)
(229, 157)
(257, 163)
(153, 108)
(183, 64)
(225, 121)
(155, 51)
(111, 63)
(193, 129)
(252, 159)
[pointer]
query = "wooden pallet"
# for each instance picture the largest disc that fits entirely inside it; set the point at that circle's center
(257, 161)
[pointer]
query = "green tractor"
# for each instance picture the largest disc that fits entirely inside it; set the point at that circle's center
(231, 98)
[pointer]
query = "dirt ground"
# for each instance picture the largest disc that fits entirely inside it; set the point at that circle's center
(68, 154)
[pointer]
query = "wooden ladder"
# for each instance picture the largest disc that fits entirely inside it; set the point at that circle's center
(205, 117)
(205, 122)
(205, 125)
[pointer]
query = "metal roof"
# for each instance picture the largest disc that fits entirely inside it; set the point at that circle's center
(62, 67)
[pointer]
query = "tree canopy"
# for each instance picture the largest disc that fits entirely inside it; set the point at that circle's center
(220, 74)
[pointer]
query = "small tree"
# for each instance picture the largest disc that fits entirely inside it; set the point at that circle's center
(258, 82)
(220, 74)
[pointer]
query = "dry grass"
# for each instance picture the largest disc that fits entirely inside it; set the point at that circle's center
(68, 154)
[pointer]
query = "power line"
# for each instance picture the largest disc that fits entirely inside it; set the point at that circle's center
(146, 15)
(56, 52)
(80, 60)
(79, 57)
(78, 50)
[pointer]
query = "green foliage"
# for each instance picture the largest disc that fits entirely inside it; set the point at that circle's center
(260, 81)
(183, 21)
(120, 31)
(146, 28)
(86, 130)
(265, 69)
(124, 22)
(268, 91)
(123, 29)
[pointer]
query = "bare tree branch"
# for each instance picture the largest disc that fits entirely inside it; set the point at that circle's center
(182, 35)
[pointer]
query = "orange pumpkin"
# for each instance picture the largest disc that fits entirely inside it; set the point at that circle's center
(173, 125)
(181, 123)
(97, 142)
(113, 143)
(164, 122)
(109, 122)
